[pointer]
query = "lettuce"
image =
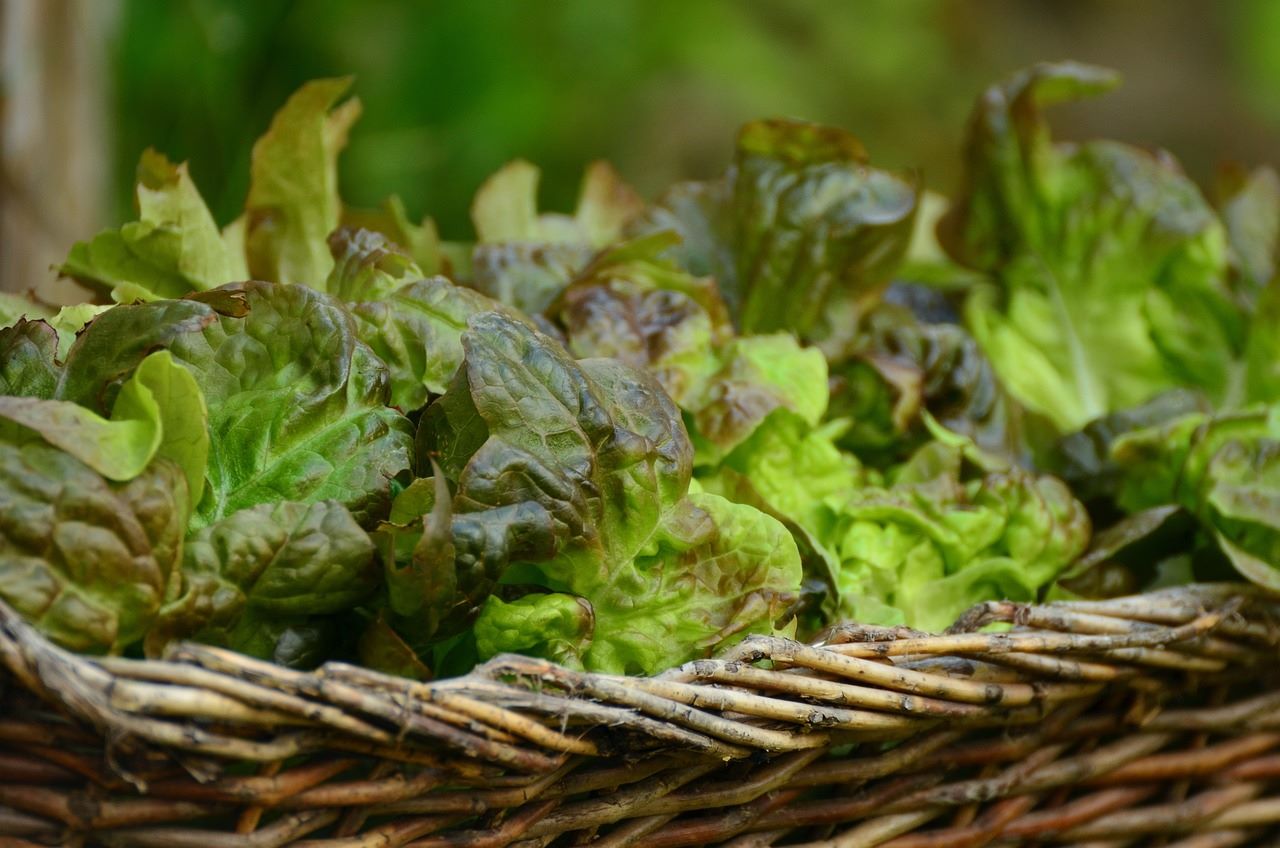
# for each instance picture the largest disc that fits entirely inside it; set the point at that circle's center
(296, 401)
(938, 540)
(900, 367)
(283, 561)
(525, 259)
(597, 452)
(1107, 266)
(88, 561)
(1223, 469)
(801, 234)
(173, 248)
(414, 325)
(293, 202)
(624, 437)
(94, 509)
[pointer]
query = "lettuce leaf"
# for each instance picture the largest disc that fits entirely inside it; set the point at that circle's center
(276, 561)
(173, 248)
(86, 560)
(421, 241)
(414, 325)
(552, 625)
(599, 450)
(159, 412)
(933, 543)
(1224, 469)
(295, 399)
(801, 234)
(1107, 265)
(524, 259)
(293, 202)
(900, 367)
(14, 307)
(28, 360)
(1249, 205)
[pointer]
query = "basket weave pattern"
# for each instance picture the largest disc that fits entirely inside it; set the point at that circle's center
(1138, 721)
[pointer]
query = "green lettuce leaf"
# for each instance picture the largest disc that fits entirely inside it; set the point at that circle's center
(88, 561)
(932, 544)
(173, 248)
(158, 412)
(1249, 205)
(293, 202)
(796, 468)
(283, 560)
(556, 626)
(295, 399)
(1107, 265)
(70, 320)
(14, 307)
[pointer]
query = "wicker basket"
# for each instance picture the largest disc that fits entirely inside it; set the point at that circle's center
(1152, 720)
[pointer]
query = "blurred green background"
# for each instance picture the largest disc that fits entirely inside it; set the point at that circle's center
(454, 88)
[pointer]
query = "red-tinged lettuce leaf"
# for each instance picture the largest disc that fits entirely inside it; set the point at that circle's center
(441, 565)
(1225, 470)
(366, 266)
(758, 375)
(633, 305)
(173, 248)
(417, 331)
(293, 202)
(283, 561)
(1084, 458)
(1107, 265)
(381, 648)
(597, 451)
(900, 367)
(296, 401)
(421, 241)
(525, 259)
(1130, 554)
(801, 233)
(414, 325)
(28, 359)
(87, 561)
(527, 276)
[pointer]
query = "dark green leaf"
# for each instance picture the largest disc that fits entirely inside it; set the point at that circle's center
(87, 561)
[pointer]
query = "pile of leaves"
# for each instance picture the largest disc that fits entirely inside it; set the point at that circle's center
(803, 392)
